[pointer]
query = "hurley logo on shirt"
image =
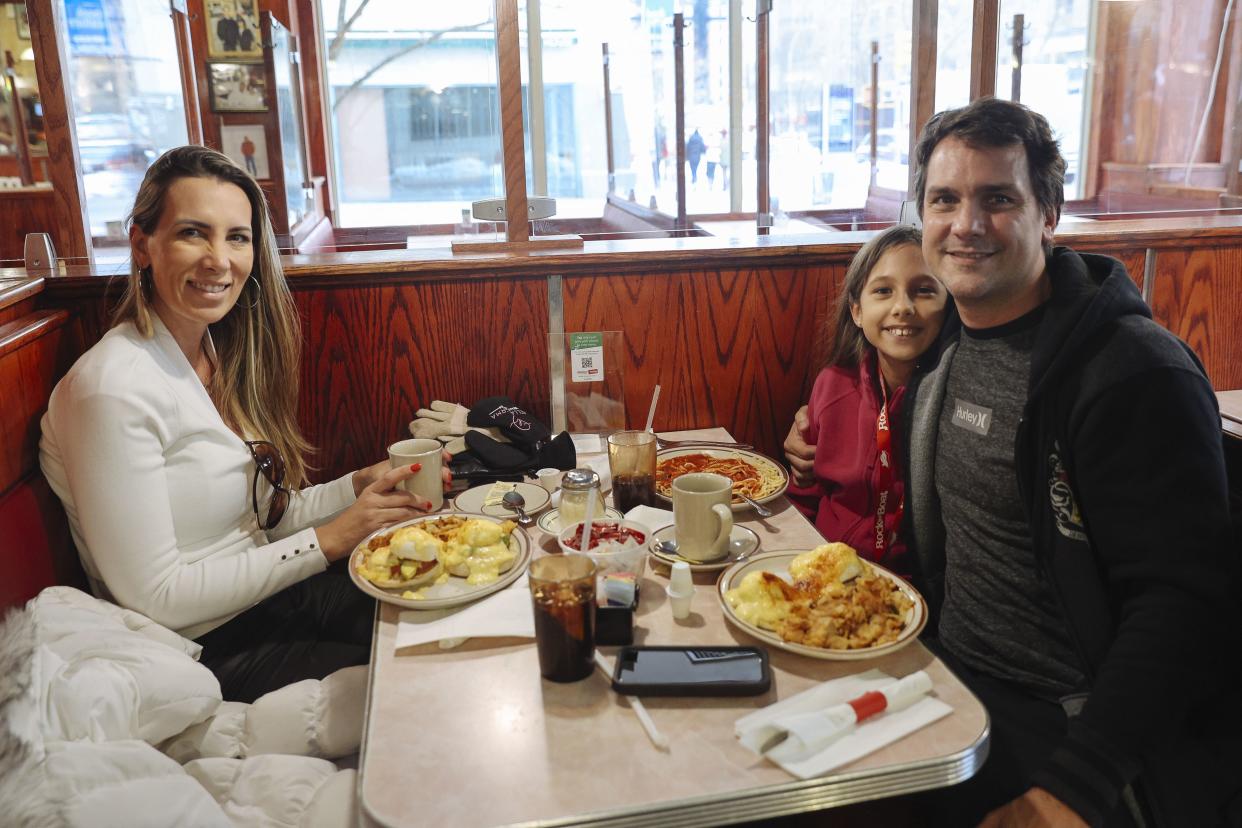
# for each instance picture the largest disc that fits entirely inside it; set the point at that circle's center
(971, 417)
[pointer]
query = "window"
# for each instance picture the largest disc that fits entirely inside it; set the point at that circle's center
(413, 107)
(574, 132)
(954, 30)
(821, 111)
(1047, 69)
(128, 105)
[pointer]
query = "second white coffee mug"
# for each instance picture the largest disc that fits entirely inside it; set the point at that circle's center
(702, 518)
(426, 482)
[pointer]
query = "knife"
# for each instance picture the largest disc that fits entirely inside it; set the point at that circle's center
(830, 724)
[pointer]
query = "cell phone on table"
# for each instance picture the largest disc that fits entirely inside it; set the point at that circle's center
(692, 671)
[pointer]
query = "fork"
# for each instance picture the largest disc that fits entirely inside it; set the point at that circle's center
(661, 443)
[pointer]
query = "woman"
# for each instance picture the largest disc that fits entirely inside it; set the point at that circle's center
(174, 445)
(889, 313)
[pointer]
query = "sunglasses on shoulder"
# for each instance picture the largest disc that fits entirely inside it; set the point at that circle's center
(271, 465)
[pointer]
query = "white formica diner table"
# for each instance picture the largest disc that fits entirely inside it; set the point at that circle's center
(475, 737)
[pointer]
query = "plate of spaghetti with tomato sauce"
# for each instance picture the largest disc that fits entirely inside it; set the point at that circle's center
(755, 475)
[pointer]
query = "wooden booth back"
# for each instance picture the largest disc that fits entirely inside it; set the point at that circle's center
(36, 348)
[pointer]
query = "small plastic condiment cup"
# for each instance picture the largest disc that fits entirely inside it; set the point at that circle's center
(680, 590)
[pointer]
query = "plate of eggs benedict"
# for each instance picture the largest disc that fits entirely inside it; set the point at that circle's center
(440, 561)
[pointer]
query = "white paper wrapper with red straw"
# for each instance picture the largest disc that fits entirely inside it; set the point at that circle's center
(840, 721)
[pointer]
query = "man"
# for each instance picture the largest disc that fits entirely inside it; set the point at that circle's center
(248, 150)
(1067, 503)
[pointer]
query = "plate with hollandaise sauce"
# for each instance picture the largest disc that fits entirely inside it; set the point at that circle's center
(440, 560)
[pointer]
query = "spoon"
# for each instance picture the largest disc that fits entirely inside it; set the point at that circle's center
(515, 502)
(760, 510)
(668, 547)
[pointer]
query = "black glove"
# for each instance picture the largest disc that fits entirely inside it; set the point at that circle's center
(512, 420)
(514, 457)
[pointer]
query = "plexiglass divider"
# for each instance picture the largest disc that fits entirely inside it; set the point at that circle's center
(588, 381)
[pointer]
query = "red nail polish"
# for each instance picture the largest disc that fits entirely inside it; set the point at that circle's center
(416, 467)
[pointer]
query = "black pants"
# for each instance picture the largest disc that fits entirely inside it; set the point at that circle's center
(1025, 730)
(311, 629)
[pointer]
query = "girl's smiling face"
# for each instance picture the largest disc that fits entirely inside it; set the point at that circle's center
(900, 311)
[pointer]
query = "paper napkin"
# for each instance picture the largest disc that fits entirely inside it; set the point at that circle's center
(864, 738)
(507, 613)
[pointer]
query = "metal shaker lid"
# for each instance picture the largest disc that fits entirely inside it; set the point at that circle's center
(580, 479)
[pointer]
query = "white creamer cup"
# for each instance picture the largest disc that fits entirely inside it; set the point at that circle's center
(549, 479)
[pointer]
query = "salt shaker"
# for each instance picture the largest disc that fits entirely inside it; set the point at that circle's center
(577, 487)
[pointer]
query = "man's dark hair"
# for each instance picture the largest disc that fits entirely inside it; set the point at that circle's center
(991, 122)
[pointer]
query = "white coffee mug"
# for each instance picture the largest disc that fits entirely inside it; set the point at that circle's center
(425, 482)
(702, 519)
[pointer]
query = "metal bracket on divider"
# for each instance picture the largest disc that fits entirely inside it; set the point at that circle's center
(493, 209)
(40, 255)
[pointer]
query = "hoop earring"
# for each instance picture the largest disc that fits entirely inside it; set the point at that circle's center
(258, 294)
(145, 285)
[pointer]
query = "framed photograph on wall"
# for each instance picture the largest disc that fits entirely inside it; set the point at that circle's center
(233, 30)
(238, 87)
(246, 145)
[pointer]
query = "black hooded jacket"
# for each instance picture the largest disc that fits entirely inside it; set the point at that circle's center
(1119, 463)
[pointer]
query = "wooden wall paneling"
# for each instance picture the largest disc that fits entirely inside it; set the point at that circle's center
(509, 89)
(983, 49)
(202, 77)
(48, 31)
(33, 356)
(374, 355)
(1188, 37)
(728, 347)
(19, 308)
(189, 77)
(29, 210)
(1134, 258)
(1098, 103)
(1231, 138)
(308, 26)
(1198, 296)
(1158, 63)
(1138, 95)
(925, 24)
(35, 547)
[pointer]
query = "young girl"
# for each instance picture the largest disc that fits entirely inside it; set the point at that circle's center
(889, 313)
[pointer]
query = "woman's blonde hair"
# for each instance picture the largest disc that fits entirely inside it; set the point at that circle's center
(847, 346)
(259, 341)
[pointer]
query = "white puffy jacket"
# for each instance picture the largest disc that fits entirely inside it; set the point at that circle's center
(107, 719)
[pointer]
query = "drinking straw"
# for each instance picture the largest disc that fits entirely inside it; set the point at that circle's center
(586, 522)
(644, 718)
(655, 398)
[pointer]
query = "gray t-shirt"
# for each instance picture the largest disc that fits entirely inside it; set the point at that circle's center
(999, 616)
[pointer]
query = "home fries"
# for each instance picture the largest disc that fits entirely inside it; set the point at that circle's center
(834, 600)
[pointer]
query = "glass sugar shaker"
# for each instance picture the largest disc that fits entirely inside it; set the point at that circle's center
(578, 486)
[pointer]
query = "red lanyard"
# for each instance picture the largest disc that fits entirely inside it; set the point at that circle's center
(884, 483)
